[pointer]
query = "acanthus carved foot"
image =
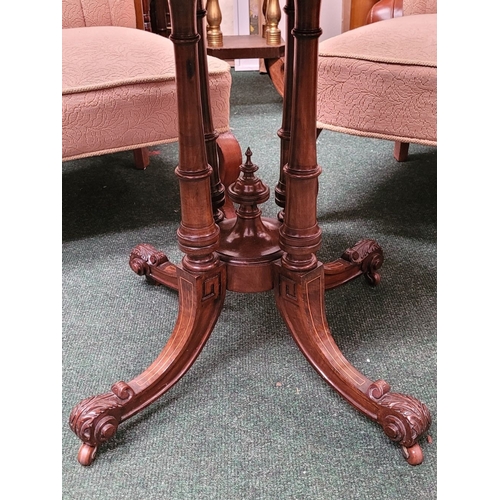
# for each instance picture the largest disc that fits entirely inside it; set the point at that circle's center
(95, 420)
(365, 257)
(403, 418)
(146, 260)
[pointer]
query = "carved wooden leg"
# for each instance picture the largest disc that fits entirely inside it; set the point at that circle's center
(146, 260)
(201, 280)
(299, 280)
(95, 420)
(300, 299)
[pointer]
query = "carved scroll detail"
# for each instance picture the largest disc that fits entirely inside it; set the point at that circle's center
(145, 256)
(361, 250)
(95, 420)
(369, 255)
(403, 418)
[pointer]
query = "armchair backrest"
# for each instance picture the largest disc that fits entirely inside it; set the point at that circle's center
(387, 9)
(81, 13)
(419, 7)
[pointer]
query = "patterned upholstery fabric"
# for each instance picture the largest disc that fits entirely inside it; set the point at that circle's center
(80, 13)
(411, 7)
(380, 80)
(118, 84)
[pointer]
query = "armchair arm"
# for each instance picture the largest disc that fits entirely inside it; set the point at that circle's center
(385, 9)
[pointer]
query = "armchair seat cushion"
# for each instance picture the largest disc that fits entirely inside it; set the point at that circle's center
(119, 91)
(380, 80)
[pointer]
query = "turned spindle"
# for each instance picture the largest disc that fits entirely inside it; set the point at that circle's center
(273, 17)
(214, 19)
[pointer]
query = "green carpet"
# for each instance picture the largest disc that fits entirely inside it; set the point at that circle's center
(251, 420)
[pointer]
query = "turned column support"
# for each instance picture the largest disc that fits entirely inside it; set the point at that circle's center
(286, 123)
(198, 235)
(211, 136)
(300, 235)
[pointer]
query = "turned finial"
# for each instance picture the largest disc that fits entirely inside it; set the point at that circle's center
(248, 168)
(248, 190)
(214, 19)
(273, 17)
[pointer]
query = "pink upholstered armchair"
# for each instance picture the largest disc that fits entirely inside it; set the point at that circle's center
(380, 80)
(118, 82)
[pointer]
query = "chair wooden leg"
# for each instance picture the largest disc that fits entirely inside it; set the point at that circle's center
(401, 150)
(141, 158)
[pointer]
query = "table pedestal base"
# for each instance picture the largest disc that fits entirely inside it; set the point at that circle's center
(250, 261)
(300, 300)
(249, 253)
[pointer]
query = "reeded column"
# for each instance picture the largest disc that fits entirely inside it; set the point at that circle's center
(300, 235)
(198, 235)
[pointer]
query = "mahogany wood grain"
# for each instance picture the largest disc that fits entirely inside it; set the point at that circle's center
(217, 189)
(286, 121)
(246, 47)
(300, 235)
(95, 420)
(249, 243)
(230, 158)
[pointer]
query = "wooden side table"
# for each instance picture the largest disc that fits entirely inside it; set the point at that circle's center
(254, 47)
(249, 253)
